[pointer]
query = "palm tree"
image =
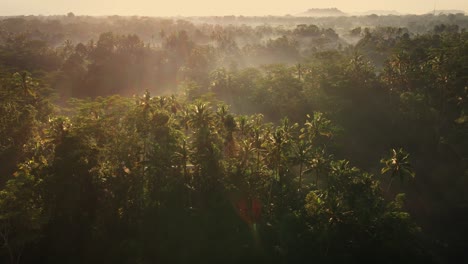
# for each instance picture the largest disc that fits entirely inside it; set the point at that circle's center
(230, 126)
(318, 125)
(244, 126)
(301, 152)
(299, 71)
(182, 158)
(398, 165)
(206, 148)
(318, 163)
(222, 112)
(200, 116)
(258, 137)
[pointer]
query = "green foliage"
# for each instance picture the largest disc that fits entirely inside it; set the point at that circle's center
(202, 175)
(24, 107)
(117, 165)
(398, 165)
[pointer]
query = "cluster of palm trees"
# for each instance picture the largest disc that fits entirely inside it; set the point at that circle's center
(134, 162)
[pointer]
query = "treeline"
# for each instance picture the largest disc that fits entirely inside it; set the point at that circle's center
(176, 53)
(124, 64)
(57, 29)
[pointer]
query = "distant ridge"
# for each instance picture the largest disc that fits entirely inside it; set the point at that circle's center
(446, 12)
(378, 12)
(322, 12)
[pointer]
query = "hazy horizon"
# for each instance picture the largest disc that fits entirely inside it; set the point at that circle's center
(212, 7)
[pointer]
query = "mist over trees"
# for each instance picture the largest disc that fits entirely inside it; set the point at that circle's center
(234, 139)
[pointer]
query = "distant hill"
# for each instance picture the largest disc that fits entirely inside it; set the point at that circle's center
(446, 12)
(378, 12)
(322, 12)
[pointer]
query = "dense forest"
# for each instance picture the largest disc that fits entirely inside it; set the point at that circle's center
(234, 139)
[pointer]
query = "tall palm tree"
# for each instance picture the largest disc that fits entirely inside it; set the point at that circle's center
(318, 163)
(230, 126)
(200, 115)
(301, 152)
(182, 158)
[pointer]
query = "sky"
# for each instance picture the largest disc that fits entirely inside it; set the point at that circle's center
(216, 7)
